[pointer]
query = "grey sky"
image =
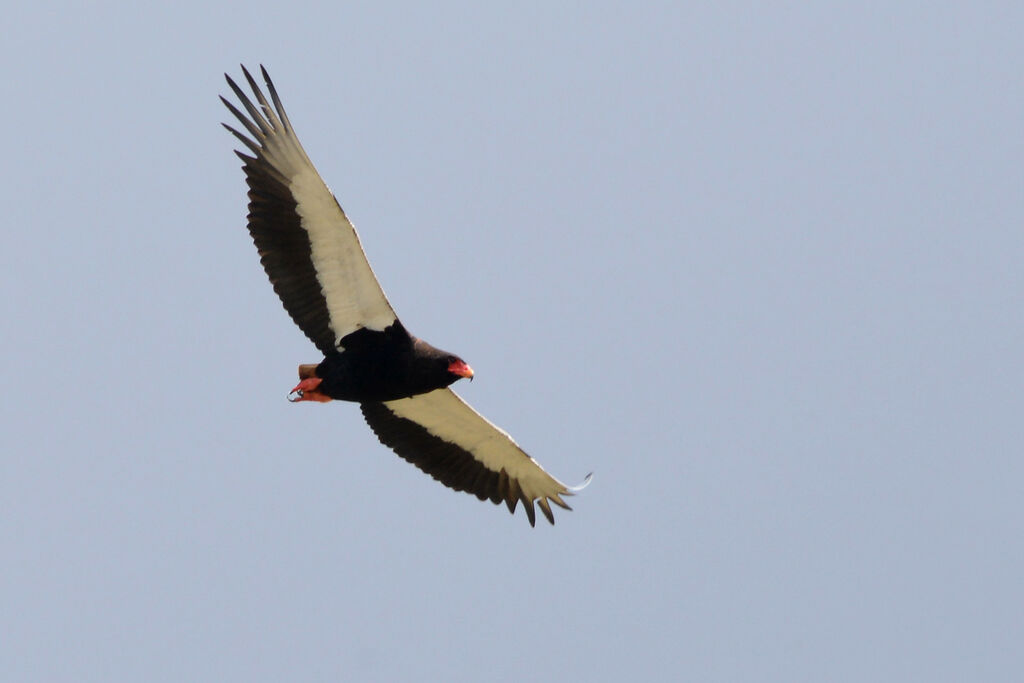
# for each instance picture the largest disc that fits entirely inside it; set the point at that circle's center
(757, 266)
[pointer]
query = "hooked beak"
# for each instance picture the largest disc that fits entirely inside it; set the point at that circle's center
(460, 369)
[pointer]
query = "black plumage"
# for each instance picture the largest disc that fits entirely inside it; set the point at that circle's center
(312, 255)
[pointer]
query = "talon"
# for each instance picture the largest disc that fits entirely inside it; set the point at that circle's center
(306, 390)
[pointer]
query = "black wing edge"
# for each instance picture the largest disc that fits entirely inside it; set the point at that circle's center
(452, 465)
(274, 223)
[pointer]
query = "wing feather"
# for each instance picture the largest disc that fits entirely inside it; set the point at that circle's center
(443, 436)
(308, 247)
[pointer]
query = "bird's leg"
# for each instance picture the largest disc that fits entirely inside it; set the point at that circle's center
(306, 390)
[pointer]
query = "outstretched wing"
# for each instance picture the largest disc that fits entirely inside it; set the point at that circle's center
(443, 436)
(307, 245)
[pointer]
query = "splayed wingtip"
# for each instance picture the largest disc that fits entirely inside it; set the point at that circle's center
(585, 484)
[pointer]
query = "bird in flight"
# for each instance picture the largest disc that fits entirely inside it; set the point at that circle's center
(312, 255)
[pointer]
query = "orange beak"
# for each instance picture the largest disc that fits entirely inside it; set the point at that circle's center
(458, 367)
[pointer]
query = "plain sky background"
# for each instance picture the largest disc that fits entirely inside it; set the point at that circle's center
(758, 266)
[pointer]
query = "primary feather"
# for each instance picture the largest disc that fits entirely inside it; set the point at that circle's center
(313, 257)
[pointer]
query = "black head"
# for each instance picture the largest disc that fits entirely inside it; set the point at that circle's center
(457, 368)
(442, 368)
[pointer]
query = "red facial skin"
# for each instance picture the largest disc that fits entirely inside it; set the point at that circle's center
(458, 367)
(306, 389)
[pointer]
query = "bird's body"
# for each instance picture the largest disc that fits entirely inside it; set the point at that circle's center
(311, 252)
(384, 366)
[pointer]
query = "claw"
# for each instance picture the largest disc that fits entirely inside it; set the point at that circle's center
(306, 390)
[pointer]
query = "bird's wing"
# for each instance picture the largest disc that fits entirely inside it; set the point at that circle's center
(443, 436)
(307, 245)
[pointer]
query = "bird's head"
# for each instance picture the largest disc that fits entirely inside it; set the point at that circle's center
(458, 367)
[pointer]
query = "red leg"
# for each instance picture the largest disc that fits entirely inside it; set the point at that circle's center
(306, 390)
